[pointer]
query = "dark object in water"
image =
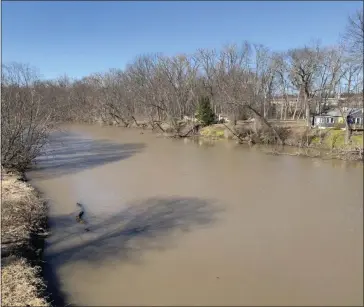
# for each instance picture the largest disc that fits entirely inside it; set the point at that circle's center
(80, 215)
(23, 179)
(79, 218)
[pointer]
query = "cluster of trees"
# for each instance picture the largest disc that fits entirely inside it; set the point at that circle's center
(239, 80)
(25, 121)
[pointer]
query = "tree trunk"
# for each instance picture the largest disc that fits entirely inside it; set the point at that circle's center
(308, 117)
(348, 132)
(295, 111)
(285, 111)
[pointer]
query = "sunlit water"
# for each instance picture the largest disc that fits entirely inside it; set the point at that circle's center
(176, 222)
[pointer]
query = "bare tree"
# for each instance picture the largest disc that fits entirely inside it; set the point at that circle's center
(303, 66)
(208, 60)
(354, 38)
(283, 84)
(26, 120)
(145, 88)
(178, 79)
(264, 81)
(335, 68)
(234, 77)
(353, 75)
(240, 85)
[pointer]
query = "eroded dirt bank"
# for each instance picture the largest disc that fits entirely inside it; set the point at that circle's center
(177, 223)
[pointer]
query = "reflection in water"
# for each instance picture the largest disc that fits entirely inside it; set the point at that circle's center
(347, 165)
(281, 230)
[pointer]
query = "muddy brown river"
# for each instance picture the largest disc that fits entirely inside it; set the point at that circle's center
(175, 222)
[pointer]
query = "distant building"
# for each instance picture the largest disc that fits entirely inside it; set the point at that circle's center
(334, 118)
(357, 117)
(289, 99)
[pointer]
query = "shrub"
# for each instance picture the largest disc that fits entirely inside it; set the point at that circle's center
(205, 114)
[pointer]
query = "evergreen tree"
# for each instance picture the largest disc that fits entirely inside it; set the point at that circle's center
(205, 114)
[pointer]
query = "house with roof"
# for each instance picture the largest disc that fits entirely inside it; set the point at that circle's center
(357, 118)
(335, 119)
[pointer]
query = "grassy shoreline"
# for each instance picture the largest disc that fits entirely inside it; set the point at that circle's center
(24, 225)
(331, 140)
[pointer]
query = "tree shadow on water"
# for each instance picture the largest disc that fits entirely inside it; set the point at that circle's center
(69, 153)
(141, 226)
(124, 236)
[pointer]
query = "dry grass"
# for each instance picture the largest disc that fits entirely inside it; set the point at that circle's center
(21, 284)
(22, 211)
(23, 215)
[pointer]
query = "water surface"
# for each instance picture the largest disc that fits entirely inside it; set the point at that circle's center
(175, 222)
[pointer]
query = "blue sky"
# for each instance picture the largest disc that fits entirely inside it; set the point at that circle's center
(78, 38)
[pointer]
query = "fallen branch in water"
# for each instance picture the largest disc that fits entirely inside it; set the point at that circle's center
(156, 123)
(297, 153)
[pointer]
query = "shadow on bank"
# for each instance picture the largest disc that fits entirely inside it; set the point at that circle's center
(70, 153)
(142, 226)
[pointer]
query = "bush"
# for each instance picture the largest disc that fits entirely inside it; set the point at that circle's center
(205, 114)
(267, 136)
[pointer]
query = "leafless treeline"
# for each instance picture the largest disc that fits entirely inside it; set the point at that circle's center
(241, 80)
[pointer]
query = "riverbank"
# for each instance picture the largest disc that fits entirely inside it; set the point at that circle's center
(330, 141)
(328, 144)
(24, 224)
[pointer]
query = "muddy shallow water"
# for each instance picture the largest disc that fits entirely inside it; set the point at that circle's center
(174, 222)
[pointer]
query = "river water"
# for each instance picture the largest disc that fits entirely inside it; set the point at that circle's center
(174, 222)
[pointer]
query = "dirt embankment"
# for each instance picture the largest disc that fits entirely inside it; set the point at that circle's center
(24, 221)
